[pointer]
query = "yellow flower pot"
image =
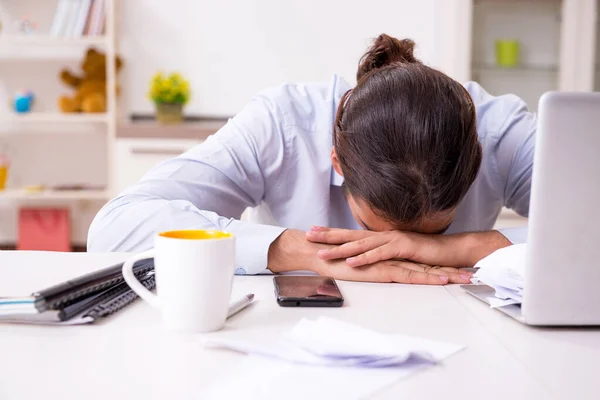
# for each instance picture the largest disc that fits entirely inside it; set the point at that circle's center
(167, 113)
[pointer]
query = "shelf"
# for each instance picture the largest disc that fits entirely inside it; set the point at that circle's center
(20, 194)
(516, 1)
(150, 129)
(44, 40)
(519, 69)
(55, 117)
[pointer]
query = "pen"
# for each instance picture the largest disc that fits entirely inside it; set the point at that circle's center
(240, 304)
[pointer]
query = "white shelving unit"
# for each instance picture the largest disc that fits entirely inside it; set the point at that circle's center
(558, 44)
(46, 40)
(40, 46)
(521, 69)
(56, 117)
(536, 25)
(53, 195)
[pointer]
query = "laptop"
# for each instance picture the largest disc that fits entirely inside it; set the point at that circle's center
(562, 272)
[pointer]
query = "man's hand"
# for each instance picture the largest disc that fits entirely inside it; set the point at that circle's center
(292, 252)
(394, 271)
(360, 248)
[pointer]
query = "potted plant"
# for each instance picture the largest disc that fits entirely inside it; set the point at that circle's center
(169, 94)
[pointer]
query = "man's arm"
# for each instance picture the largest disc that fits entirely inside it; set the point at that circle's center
(360, 248)
(206, 188)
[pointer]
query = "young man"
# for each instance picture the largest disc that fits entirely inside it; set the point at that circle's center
(413, 166)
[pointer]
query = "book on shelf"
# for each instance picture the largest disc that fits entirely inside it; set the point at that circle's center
(88, 22)
(72, 18)
(76, 18)
(82, 16)
(59, 18)
(96, 26)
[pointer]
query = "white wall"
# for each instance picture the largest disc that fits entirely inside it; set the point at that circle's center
(229, 49)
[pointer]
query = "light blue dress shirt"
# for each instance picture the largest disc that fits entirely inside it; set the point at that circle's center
(275, 156)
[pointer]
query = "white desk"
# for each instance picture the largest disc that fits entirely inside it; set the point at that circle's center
(128, 355)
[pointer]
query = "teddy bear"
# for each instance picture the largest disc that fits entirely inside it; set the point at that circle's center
(90, 87)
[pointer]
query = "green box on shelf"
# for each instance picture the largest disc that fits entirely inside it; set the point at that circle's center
(507, 53)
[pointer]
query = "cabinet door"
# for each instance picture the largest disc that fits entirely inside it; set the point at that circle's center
(135, 157)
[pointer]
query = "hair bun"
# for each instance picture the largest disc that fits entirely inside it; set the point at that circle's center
(386, 50)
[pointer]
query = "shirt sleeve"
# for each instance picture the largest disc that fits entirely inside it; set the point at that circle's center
(514, 158)
(515, 235)
(207, 187)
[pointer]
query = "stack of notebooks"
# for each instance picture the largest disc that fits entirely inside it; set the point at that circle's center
(78, 301)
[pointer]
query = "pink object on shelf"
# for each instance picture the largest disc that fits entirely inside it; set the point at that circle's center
(44, 229)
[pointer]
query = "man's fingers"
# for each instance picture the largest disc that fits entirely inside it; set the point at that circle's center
(391, 271)
(388, 252)
(408, 275)
(453, 275)
(335, 236)
(457, 275)
(354, 248)
(382, 252)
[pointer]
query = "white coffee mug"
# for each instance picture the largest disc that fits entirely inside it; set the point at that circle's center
(194, 272)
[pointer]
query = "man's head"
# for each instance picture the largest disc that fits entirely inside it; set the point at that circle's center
(405, 140)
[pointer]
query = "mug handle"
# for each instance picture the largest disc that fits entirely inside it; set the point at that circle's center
(133, 282)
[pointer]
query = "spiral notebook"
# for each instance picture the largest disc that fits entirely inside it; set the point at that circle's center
(81, 300)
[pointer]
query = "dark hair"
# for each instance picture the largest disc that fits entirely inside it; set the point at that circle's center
(406, 135)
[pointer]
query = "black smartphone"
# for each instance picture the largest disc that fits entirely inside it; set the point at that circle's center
(307, 291)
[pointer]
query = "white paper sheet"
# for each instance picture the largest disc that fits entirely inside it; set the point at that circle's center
(322, 359)
(46, 318)
(328, 337)
(504, 271)
(259, 378)
(328, 342)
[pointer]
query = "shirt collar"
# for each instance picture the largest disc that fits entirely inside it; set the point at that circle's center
(336, 179)
(341, 87)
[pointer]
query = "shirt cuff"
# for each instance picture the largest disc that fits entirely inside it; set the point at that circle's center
(252, 243)
(516, 235)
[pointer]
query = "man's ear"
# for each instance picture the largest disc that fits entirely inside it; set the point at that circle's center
(336, 162)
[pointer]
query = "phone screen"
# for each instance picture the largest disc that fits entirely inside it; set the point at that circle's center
(307, 291)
